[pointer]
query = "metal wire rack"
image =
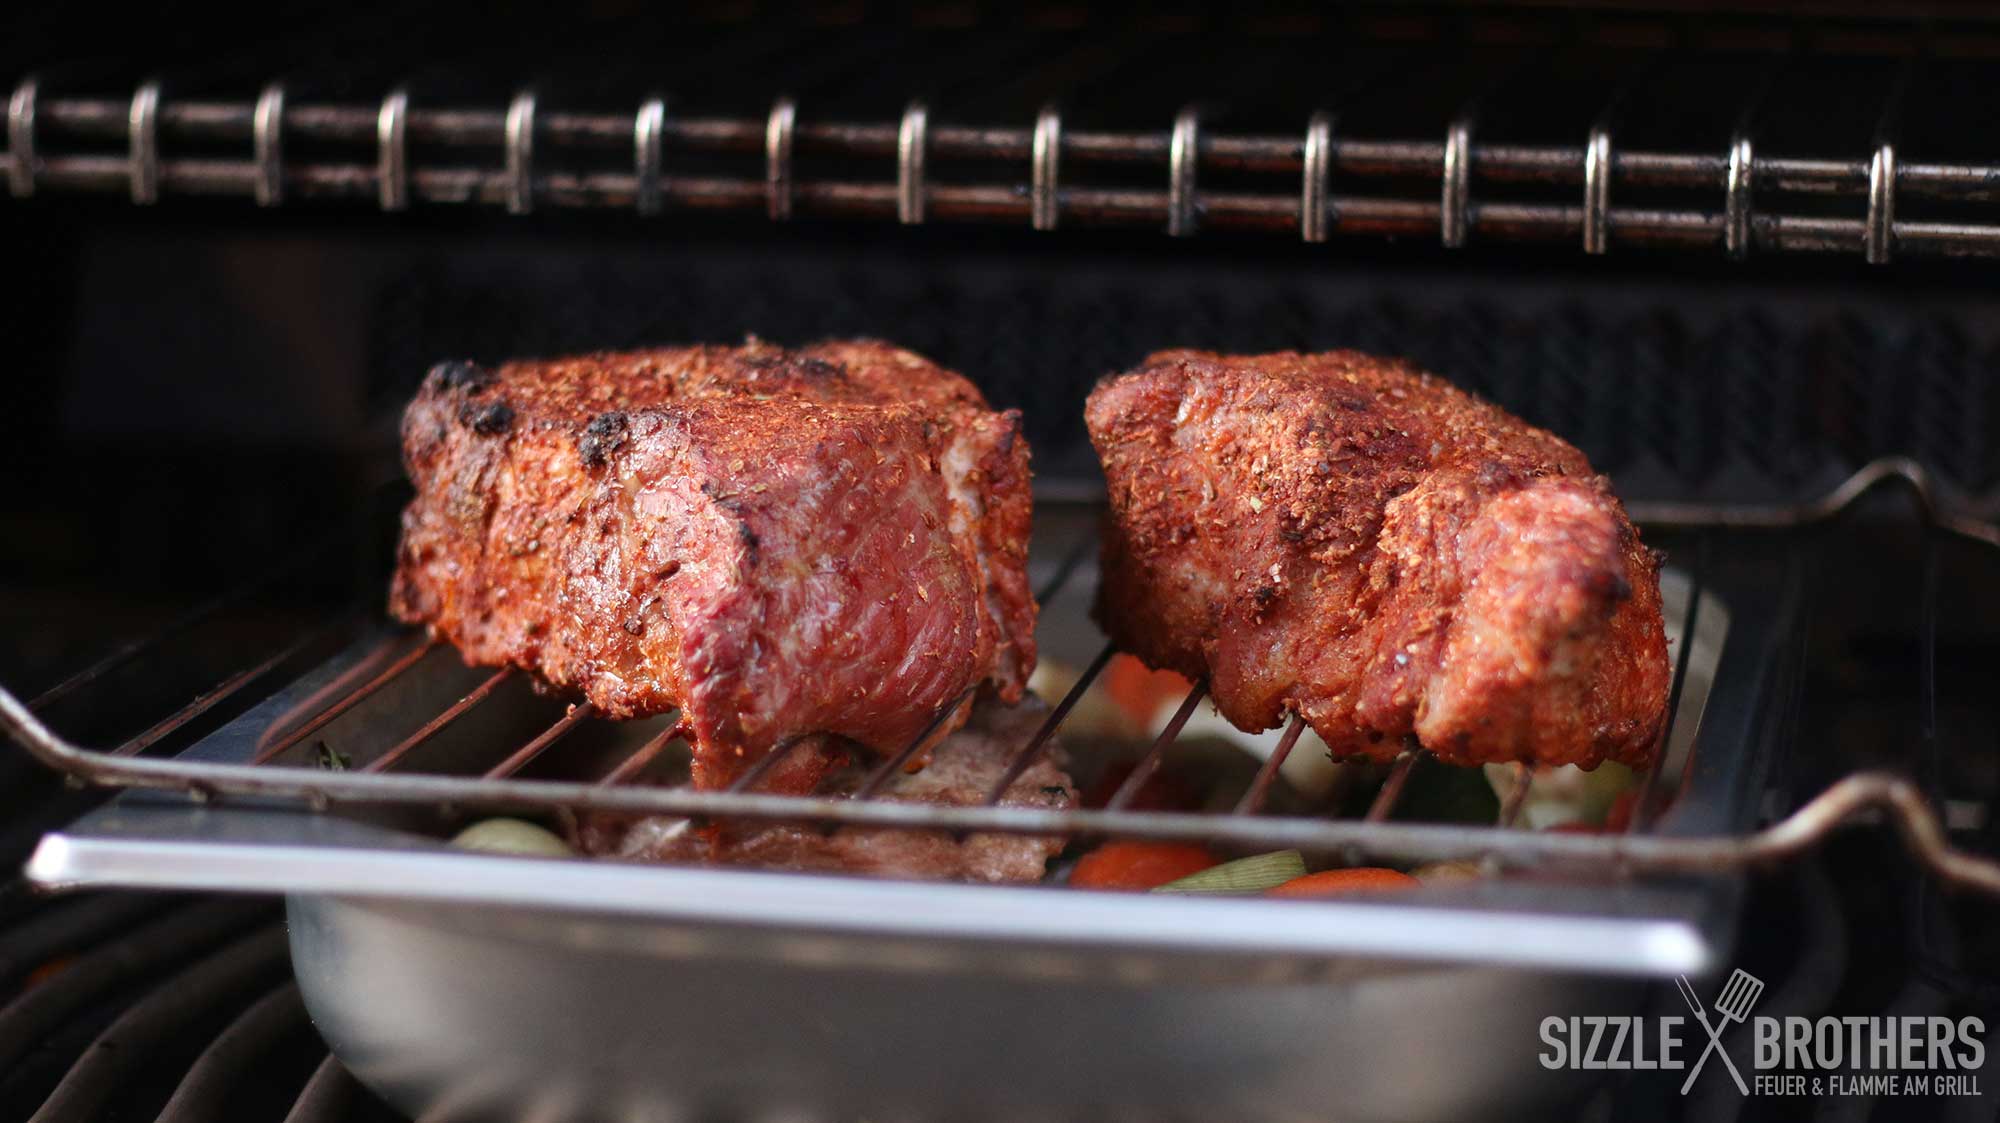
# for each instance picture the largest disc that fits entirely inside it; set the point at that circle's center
(1902, 800)
(1320, 180)
(1315, 162)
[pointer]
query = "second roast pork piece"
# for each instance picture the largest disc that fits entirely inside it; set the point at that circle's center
(1350, 539)
(828, 543)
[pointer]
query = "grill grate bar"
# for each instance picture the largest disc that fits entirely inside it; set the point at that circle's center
(1392, 785)
(219, 693)
(1916, 821)
(1517, 796)
(1452, 211)
(137, 952)
(104, 1067)
(127, 652)
(1065, 569)
(342, 702)
(27, 945)
(205, 1088)
(887, 770)
(326, 1096)
(1642, 809)
(1260, 787)
(436, 725)
(636, 763)
(1938, 954)
(1032, 751)
(1150, 763)
(521, 756)
(750, 777)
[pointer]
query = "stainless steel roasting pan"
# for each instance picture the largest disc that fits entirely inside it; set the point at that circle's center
(472, 986)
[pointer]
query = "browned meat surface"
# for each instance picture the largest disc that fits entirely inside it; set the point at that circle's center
(830, 541)
(1351, 539)
(961, 771)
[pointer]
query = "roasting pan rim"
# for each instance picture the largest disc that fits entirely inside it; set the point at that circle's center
(156, 840)
(1648, 942)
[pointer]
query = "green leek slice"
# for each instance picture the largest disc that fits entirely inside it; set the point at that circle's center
(1244, 875)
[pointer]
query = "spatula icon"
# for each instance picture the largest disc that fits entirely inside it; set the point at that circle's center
(1734, 1003)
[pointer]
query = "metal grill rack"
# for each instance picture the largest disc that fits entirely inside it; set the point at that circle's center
(1455, 184)
(377, 781)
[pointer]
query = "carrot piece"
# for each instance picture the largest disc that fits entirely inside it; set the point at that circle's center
(1618, 819)
(1139, 865)
(1333, 883)
(1141, 691)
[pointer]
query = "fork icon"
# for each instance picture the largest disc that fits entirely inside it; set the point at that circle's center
(1734, 1003)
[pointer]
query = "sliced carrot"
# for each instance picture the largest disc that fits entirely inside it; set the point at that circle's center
(1333, 883)
(1141, 691)
(1618, 820)
(1139, 865)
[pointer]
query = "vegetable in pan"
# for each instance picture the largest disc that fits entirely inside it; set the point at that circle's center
(1140, 865)
(511, 836)
(1254, 874)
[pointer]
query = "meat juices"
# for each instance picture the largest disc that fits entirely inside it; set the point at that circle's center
(964, 768)
(830, 541)
(1359, 542)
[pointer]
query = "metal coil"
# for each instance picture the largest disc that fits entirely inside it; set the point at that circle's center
(912, 140)
(267, 141)
(392, 166)
(647, 128)
(778, 131)
(1047, 158)
(521, 153)
(144, 126)
(1314, 218)
(1300, 198)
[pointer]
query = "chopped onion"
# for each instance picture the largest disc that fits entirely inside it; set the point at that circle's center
(1566, 794)
(512, 836)
(1244, 875)
(1094, 715)
(1310, 770)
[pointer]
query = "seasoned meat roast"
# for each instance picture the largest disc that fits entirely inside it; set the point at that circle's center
(963, 768)
(1356, 541)
(827, 543)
